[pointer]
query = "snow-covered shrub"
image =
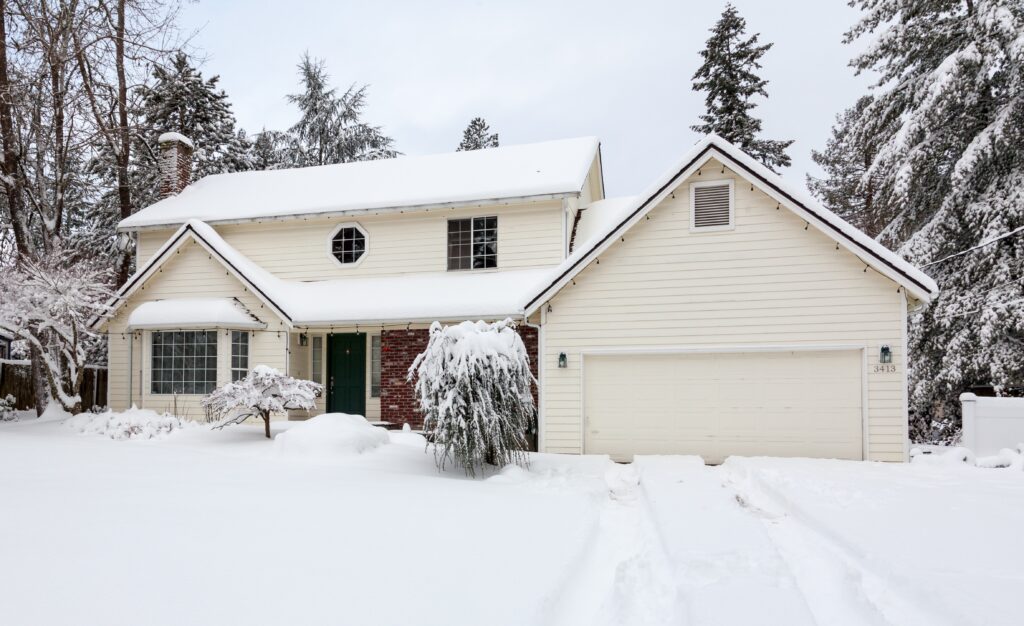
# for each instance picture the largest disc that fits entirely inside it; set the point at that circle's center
(131, 424)
(330, 435)
(49, 304)
(262, 392)
(473, 383)
(8, 406)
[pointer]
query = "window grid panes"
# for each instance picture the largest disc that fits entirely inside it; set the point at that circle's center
(375, 366)
(348, 244)
(318, 359)
(239, 355)
(473, 243)
(184, 362)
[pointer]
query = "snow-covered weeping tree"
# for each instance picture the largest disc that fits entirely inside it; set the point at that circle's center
(49, 303)
(263, 392)
(473, 383)
(951, 83)
(477, 135)
(727, 75)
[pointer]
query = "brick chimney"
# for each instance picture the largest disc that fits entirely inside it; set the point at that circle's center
(175, 163)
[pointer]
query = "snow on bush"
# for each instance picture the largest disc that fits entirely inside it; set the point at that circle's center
(262, 392)
(7, 409)
(329, 436)
(473, 386)
(960, 456)
(131, 424)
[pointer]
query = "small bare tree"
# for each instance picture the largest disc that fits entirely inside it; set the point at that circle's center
(261, 393)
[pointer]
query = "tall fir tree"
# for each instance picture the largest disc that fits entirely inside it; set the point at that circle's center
(331, 128)
(729, 79)
(477, 135)
(180, 100)
(951, 82)
(846, 189)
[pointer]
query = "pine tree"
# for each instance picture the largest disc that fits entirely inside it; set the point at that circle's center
(270, 150)
(477, 135)
(728, 76)
(846, 190)
(331, 129)
(951, 82)
(180, 100)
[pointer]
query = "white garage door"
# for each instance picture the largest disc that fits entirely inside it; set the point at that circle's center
(801, 403)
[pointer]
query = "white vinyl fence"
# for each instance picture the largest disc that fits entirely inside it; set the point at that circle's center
(991, 424)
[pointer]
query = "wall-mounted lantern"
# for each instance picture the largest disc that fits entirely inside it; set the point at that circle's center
(563, 360)
(885, 354)
(303, 339)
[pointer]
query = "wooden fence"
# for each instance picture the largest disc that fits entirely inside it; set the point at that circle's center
(16, 380)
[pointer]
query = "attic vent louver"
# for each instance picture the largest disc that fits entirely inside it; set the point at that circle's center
(711, 204)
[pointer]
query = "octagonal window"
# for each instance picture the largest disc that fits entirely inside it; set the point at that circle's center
(348, 244)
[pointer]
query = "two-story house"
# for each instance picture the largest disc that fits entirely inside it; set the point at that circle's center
(718, 312)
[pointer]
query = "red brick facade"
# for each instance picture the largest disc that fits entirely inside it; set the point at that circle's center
(398, 349)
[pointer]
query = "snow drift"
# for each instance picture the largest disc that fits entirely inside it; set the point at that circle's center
(131, 424)
(329, 436)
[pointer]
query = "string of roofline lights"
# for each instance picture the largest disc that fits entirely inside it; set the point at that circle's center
(304, 330)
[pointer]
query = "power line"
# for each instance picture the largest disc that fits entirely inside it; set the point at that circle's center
(980, 245)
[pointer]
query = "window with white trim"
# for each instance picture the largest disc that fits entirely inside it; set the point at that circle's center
(375, 366)
(183, 362)
(711, 205)
(348, 244)
(239, 355)
(317, 360)
(473, 243)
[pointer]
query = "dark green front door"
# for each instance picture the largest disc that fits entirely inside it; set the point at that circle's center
(346, 373)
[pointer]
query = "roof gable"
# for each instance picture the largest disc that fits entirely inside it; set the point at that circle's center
(711, 147)
(525, 172)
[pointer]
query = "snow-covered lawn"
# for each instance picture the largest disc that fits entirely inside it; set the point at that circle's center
(207, 526)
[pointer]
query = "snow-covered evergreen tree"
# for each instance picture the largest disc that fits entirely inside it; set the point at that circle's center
(263, 392)
(49, 302)
(180, 100)
(478, 135)
(845, 189)
(728, 76)
(951, 81)
(473, 383)
(331, 128)
(271, 150)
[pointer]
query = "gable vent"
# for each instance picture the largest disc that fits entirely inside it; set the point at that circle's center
(712, 205)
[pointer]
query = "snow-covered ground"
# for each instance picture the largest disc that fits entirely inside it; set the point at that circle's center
(200, 526)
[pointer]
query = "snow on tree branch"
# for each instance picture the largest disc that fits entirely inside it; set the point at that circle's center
(263, 392)
(473, 383)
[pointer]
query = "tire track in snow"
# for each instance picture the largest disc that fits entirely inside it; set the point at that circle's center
(624, 577)
(841, 586)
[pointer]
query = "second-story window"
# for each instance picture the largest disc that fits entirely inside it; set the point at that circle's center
(348, 244)
(473, 243)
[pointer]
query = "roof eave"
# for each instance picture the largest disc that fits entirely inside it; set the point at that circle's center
(506, 200)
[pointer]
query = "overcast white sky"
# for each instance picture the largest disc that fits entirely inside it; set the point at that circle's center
(535, 70)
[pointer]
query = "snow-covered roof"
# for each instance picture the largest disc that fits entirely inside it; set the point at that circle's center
(193, 313)
(406, 298)
(621, 214)
(597, 218)
(551, 168)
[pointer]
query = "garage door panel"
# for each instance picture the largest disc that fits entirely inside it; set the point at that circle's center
(795, 403)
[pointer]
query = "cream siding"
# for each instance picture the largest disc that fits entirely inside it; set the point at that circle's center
(190, 273)
(768, 282)
(147, 242)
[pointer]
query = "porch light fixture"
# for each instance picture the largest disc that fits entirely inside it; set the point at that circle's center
(303, 339)
(563, 360)
(885, 354)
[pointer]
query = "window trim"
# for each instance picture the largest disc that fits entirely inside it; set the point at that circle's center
(330, 244)
(732, 205)
(447, 245)
(216, 357)
(248, 350)
(379, 363)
